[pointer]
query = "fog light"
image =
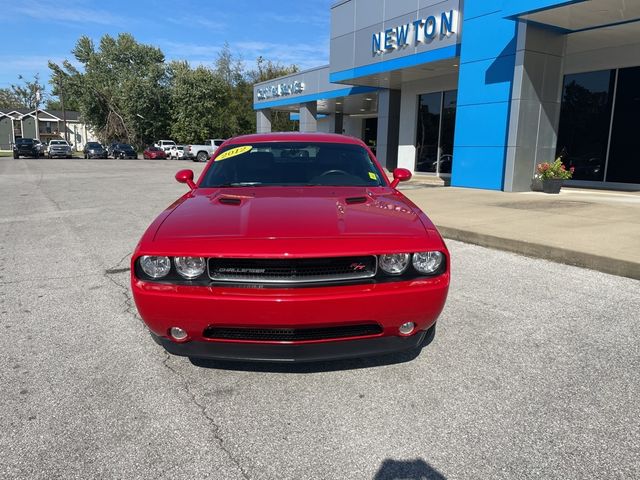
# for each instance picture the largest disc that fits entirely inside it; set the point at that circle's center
(177, 333)
(407, 328)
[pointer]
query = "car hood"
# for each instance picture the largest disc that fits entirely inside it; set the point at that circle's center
(305, 220)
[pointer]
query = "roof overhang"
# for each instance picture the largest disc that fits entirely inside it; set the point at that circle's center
(574, 16)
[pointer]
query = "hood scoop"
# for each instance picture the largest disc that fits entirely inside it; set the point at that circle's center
(229, 201)
(355, 200)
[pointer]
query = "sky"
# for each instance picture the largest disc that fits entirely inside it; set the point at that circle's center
(289, 31)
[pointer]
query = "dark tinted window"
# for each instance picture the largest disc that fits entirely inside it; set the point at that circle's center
(624, 165)
(24, 141)
(428, 132)
(93, 145)
(293, 163)
(585, 118)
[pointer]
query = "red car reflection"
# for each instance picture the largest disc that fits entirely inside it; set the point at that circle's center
(154, 153)
(291, 247)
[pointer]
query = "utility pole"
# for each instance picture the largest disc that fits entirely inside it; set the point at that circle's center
(37, 107)
(64, 112)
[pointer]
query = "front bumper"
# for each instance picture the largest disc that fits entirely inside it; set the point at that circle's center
(195, 308)
(294, 353)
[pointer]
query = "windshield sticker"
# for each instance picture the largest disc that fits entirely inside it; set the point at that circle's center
(233, 152)
(373, 176)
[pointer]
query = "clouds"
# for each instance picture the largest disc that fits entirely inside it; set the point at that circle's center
(71, 12)
(305, 55)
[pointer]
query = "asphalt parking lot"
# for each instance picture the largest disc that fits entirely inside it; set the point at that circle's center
(533, 372)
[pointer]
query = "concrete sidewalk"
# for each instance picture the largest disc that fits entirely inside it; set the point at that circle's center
(594, 229)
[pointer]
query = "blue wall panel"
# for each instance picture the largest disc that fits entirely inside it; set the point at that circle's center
(484, 125)
(494, 76)
(476, 167)
(487, 64)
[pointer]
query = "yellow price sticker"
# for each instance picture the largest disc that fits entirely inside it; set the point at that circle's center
(233, 152)
(373, 176)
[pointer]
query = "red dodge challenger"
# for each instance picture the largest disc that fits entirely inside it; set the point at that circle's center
(291, 247)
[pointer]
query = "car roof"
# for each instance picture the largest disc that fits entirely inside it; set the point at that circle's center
(295, 137)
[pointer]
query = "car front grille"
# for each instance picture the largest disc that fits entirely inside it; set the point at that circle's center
(292, 271)
(292, 334)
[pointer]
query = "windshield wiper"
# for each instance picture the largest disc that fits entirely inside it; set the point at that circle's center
(239, 184)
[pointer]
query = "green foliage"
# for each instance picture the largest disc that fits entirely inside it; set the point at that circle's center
(9, 100)
(122, 90)
(198, 98)
(554, 170)
(23, 95)
(125, 91)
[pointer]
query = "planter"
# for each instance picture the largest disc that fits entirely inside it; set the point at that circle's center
(536, 185)
(552, 185)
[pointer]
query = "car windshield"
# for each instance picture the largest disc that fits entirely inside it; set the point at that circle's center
(58, 142)
(93, 145)
(24, 141)
(292, 164)
(124, 146)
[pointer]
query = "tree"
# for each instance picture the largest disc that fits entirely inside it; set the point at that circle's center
(199, 98)
(122, 92)
(9, 100)
(268, 70)
(31, 93)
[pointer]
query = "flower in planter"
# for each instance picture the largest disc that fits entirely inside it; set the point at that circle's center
(555, 170)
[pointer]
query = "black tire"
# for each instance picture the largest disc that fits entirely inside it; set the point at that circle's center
(194, 159)
(16, 156)
(202, 157)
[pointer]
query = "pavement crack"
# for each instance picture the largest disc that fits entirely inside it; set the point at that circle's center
(211, 421)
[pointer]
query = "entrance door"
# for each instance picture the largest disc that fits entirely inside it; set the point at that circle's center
(370, 133)
(436, 126)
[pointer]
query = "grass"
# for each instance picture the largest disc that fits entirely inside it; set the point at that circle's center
(6, 153)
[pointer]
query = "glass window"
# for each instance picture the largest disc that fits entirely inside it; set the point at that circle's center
(585, 119)
(448, 129)
(624, 159)
(428, 132)
(293, 164)
(436, 127)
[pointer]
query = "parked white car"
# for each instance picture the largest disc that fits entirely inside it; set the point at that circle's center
(165, 145)
(59, 149)
(202, 153)
(177, 152)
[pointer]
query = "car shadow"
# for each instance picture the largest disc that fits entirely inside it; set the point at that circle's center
(317, 367)
(416, 469)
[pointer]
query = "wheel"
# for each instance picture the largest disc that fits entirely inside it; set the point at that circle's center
(85, 156)
(202, 157)
(16, 156)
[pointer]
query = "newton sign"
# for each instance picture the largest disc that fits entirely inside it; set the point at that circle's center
(423, 31)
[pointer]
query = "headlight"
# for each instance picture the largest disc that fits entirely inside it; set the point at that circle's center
(427, 262)
(190, 267)
(395, 263)
(155, 267)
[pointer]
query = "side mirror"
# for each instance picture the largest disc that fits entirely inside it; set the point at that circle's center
(186, 176)
(400, 175)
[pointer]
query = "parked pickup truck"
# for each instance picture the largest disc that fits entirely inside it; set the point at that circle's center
(165, 145)
(26, 147)
(202, 153)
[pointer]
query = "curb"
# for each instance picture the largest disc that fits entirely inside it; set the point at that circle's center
(622, 268)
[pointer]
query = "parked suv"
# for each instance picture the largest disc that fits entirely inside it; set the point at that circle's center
(26, 147)
(94, 150)
(123, 150)
(59, 148)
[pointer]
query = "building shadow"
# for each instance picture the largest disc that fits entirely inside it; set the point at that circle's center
(317, 367)
(416, 469)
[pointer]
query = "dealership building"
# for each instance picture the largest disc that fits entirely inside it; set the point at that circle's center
(477, 92)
